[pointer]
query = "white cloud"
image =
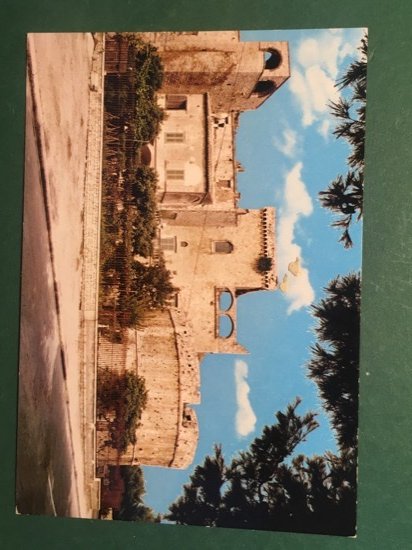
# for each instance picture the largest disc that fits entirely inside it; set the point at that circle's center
(300, 89)
(316, 66)
(329, 49)
(287, 143)
(297, 198)
(325, 128)
(245, 416)
(321, 89)
(314, 89)
(296, 203)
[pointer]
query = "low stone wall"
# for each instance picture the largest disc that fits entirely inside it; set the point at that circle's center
(90, 274)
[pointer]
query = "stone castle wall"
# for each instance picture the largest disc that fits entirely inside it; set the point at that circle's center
(162, 353)
(209, 245)
(198, 269)
(168, 433)
(220, 64)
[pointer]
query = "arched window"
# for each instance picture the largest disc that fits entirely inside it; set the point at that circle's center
(225, 300)
(264, 87)
(222, 247)
(273, 59)
(226, 326)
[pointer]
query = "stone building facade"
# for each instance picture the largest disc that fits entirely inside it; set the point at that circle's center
(215, 250)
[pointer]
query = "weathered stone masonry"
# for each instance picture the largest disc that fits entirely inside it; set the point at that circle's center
(211, 246)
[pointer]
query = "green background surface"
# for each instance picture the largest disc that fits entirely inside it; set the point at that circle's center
(385, 469)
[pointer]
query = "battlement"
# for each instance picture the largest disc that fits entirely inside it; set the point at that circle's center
(267, 257)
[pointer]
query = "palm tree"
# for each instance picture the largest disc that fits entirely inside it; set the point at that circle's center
(344, 195)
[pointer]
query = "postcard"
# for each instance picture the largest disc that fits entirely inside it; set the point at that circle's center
(191, 281)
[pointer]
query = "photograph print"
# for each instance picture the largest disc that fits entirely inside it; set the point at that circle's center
(191, 278)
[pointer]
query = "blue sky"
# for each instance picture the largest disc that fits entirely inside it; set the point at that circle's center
(289, 155)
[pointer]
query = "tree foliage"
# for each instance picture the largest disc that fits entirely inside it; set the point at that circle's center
(132, 507)
(201, 500)
(153, 284)
(271, 487)
(130, 220)
(131, 96)
(344, 196)
(121, 399)
(143, 183)
(148, 116)
(334, 365)
(264, 264)
(268, 488)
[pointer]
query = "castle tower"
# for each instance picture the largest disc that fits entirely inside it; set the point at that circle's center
(238, 76)
(210, 253)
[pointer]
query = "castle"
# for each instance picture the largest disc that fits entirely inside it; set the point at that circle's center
(215, 250)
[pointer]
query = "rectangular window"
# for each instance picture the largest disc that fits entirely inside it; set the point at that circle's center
(168, 243)
(176, 102)
(226, 184)
(174, 137)
(175, 175)
(168, 215)
(222, 247)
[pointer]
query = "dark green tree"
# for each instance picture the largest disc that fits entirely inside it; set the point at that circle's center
(153, 284)
(334, 365)
(148, 64)
(201, 500)
(268, 488)
(143, 203)
(132, 507)
(144, 182)
(253, 475)
(123, 397)
(344, 196)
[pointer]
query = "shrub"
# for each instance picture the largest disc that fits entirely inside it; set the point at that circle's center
(153, 284)
(264, 264)
(125, 397)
